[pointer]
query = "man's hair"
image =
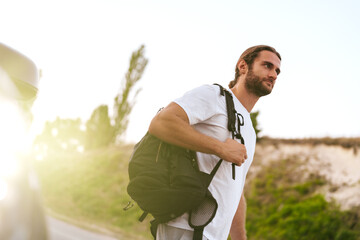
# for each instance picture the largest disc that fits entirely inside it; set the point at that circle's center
(249, 55)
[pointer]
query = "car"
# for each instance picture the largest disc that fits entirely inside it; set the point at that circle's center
(21, 210)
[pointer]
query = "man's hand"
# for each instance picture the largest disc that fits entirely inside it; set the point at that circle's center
(233, 152)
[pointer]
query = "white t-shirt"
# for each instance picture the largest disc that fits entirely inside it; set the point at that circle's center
(207, 113)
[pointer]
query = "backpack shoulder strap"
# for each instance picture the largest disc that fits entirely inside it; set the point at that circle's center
(231, 112)
(230, 109)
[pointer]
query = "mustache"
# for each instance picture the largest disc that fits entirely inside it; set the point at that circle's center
(271, 80)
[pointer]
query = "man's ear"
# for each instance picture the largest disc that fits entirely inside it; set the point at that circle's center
(242, 66)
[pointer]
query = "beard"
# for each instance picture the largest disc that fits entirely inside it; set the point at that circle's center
(254, 84)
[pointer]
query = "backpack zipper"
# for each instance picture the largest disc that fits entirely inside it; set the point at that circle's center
(158, 152)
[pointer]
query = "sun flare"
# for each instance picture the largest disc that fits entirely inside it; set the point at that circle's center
(13, 137)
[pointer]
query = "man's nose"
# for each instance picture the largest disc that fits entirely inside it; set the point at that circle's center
(272, 74)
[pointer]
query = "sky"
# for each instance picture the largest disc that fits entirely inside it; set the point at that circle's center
(83, 50)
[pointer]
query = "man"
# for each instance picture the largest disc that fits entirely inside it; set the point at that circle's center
(198, 121)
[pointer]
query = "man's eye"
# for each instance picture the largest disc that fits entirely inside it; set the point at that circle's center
(267, 65)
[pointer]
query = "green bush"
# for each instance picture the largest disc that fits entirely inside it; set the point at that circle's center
(279, 206)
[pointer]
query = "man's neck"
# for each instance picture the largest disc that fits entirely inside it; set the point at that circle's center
(248, 100)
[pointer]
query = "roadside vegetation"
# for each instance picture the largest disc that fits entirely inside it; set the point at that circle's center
(282, 204)
(90, 187)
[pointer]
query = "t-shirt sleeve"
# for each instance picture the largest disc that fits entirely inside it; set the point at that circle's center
(199, 104)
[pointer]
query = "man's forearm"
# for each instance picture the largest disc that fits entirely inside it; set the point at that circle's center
(172, 125)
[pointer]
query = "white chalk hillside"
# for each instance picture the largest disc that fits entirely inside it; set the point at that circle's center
(338, 165)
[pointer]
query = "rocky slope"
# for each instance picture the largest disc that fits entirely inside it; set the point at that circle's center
(339, 165)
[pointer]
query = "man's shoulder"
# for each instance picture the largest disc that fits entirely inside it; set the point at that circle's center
(208, 88)
(208, 94)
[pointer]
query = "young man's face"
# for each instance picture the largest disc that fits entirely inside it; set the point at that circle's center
(261, 76)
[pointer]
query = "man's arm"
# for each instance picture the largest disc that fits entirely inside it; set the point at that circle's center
(237, 230)
(172, 125)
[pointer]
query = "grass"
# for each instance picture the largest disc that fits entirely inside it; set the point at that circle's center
(91, 188)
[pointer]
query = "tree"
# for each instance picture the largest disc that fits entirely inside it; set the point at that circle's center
(99, 131)
(66, 134)
(122, 104)
(254, 121)
(61, 135)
